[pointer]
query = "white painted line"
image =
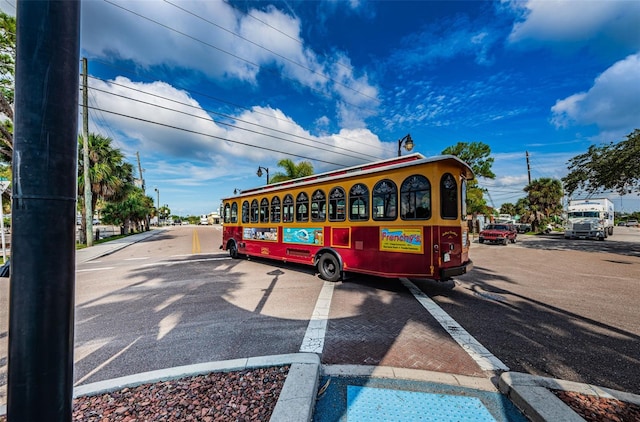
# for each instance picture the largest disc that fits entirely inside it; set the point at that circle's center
(106, 362)
(136, 259)
(94, 269)
(313, 341)
(187, 261)
(484, 358)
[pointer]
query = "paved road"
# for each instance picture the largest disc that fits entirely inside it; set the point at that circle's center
(544, 306)
(561, 308)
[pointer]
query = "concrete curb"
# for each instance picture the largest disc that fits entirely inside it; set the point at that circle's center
(115, 384)
(298, 397)
(533, 396)
(389, 372)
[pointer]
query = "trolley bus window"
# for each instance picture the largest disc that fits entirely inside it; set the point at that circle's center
(337, 205)
(359, 202)
(463, 198)
(245, 212)
(448, 197)
(234, 212)
(264, 210)
(287, 209)
(318, 206)
(254, 211)
(227, 213)
(275, 209)
(302, 207)
(384, 200)
(415, 194)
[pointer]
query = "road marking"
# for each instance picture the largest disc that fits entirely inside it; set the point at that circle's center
(137, 259)
(94, 269)
(483, 357)
(195, 242)
(186, 261)
(313, 341)
(106, 362)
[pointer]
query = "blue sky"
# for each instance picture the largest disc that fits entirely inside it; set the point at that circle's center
(207, 91)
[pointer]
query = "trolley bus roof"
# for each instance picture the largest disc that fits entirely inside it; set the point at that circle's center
(362, 170)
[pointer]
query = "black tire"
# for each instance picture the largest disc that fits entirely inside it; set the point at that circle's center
(610, 231)
(329, 267)
(514, 240)
(233, 251)
(480, 240)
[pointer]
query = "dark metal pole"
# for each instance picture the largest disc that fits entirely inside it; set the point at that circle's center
(41, 308)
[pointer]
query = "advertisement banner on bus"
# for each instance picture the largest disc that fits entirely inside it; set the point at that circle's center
(401, 240)
(306, 236)
(260, 233)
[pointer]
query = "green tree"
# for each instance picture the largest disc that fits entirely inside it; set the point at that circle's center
(508, 208)
(130, 211)
(111, 178)
(607, 167)
(545, 201)
(292, 170)
(477, 156)
(522, 206)
(7, 71)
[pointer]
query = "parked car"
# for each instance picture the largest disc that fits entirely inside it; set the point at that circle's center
(632, 223)
(498, 233)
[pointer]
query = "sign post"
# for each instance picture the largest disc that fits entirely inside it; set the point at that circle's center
(4, 184)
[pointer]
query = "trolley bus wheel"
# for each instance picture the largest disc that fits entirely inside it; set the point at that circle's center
(233, 251)
(329, 267)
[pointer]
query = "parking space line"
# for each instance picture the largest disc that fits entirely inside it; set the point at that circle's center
(483, 357)
(313, 341)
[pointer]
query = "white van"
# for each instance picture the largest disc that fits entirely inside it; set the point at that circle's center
(204, 220)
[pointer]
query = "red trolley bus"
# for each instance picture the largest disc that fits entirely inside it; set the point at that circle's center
(400, 217)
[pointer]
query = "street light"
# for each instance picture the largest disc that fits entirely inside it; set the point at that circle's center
(259, 172)
(408, 144)
(158, 210)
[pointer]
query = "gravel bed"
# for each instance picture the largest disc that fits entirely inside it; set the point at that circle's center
(596, 409)
(240, 396)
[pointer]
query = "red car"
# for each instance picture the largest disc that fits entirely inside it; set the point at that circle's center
(498, 233)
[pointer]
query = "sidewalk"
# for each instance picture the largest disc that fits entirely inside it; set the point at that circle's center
(109, 247)
(330, 393)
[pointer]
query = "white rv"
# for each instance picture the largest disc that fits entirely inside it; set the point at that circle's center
(589, 219)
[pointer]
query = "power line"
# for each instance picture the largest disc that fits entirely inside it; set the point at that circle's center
(222, 101)
(272, 52)
(220, 138)
(227, 116)
(229, 53)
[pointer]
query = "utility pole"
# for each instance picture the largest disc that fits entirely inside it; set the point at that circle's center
(85, 155)
(143, 187)
(140, 171)
(43, 256)
(528, 167)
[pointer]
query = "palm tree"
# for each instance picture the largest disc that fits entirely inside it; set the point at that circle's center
(292, 170)
(545, 200)
(109, 175)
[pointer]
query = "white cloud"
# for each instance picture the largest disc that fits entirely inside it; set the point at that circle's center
(612, 103)
(220, 42)
(187, 132)
(595, 24)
